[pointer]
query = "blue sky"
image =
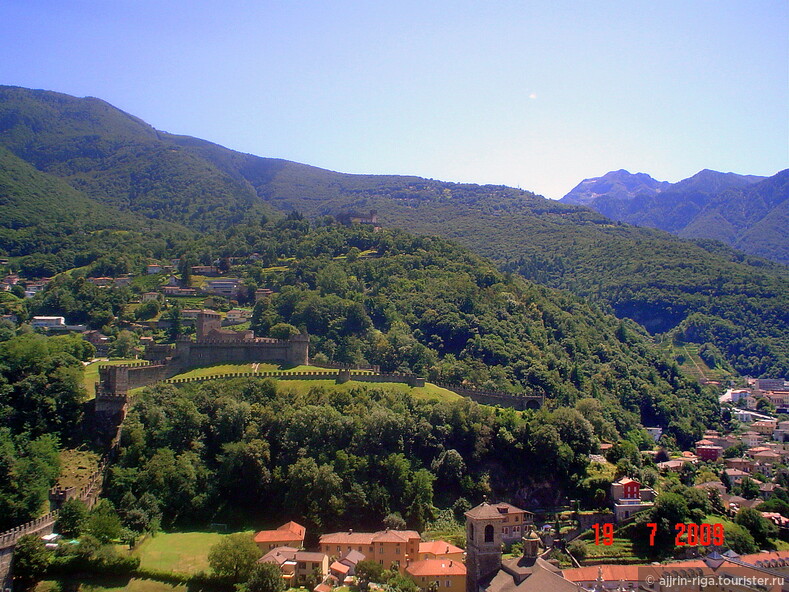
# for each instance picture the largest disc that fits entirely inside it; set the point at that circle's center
(536, 94)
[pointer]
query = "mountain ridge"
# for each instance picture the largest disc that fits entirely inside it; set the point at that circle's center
(655, 278)
(747, 212)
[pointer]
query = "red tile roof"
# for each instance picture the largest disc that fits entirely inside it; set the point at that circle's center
(438, 548)
(290, 531)
(436, 567)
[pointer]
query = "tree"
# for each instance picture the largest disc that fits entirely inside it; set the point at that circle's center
(124, 344)
(29, 562)
(753, 522)
(103, 522)
(72, 518)
(369, 571)
(234, 557)
(264, 577)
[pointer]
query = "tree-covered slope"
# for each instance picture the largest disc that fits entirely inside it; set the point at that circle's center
(120, 160)
(650, 276)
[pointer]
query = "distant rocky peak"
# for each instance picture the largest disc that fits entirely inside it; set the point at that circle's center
(619, 184)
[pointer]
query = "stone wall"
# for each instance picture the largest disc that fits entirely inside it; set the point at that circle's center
(484, 397)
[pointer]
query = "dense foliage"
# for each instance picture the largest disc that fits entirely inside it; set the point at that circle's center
(41, 397)
(246, 449)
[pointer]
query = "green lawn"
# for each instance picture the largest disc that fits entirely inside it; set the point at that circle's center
(108, 584)
(91, 374)
(76, 466)
(184, 552)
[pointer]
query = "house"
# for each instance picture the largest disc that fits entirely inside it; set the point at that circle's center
(101, 282)
(289, 534)
(298, 567)
(444, 574)
(122, 280)
(49, 322)
(765, 427)
(743, 464)
(100, 341)
(750, 439)
(176, 291)
(440, 550)
(227, 287)
(735, 476)
(707, 450)
(710, 485)
(237, 315)
(153, 268)
(148, 296)
(629, 498)
(209, 270)
(390, 548)
(767, 457)
(345, 568)
(261, 293)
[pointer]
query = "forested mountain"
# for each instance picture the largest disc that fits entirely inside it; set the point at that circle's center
(745, 211)
(701, 290)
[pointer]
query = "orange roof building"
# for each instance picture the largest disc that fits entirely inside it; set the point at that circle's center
(290, 534)
(440, 550)
(449, 575)
(390, 548)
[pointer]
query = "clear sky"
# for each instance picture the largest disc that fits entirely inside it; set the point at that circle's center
(533, 93)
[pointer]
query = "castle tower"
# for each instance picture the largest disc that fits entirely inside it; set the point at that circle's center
(483, 543)
(207, 321)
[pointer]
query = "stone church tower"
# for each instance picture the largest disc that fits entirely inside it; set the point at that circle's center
(483, 543)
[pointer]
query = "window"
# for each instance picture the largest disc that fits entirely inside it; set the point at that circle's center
(507, 530)
(339, 548)
(381, 561)
(447, 583)
(397, 551)
(489, 533)
(471, 527)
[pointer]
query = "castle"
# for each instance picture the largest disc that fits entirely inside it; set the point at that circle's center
(213, 345)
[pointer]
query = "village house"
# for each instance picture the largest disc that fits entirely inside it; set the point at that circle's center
(445, 574)
(207, 270)
(712, 485)
(741, 463)
(344, 569)
(227, 287)
(101, 282)
(237, 315)
(100, 341)
(440, 550)
(262, 293)
(298, 567)
(390, 548)
(48, 322)
(630, 497)
(735, 476)
(750, 439)
(706, 450)
(177, 291)
(148, 296)
(765, 427)
(289, 534)
(153, 268)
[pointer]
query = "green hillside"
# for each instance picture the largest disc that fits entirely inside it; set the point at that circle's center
(699, 290)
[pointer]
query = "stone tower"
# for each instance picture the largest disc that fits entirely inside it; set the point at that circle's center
(483, 543)
(207, 321)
